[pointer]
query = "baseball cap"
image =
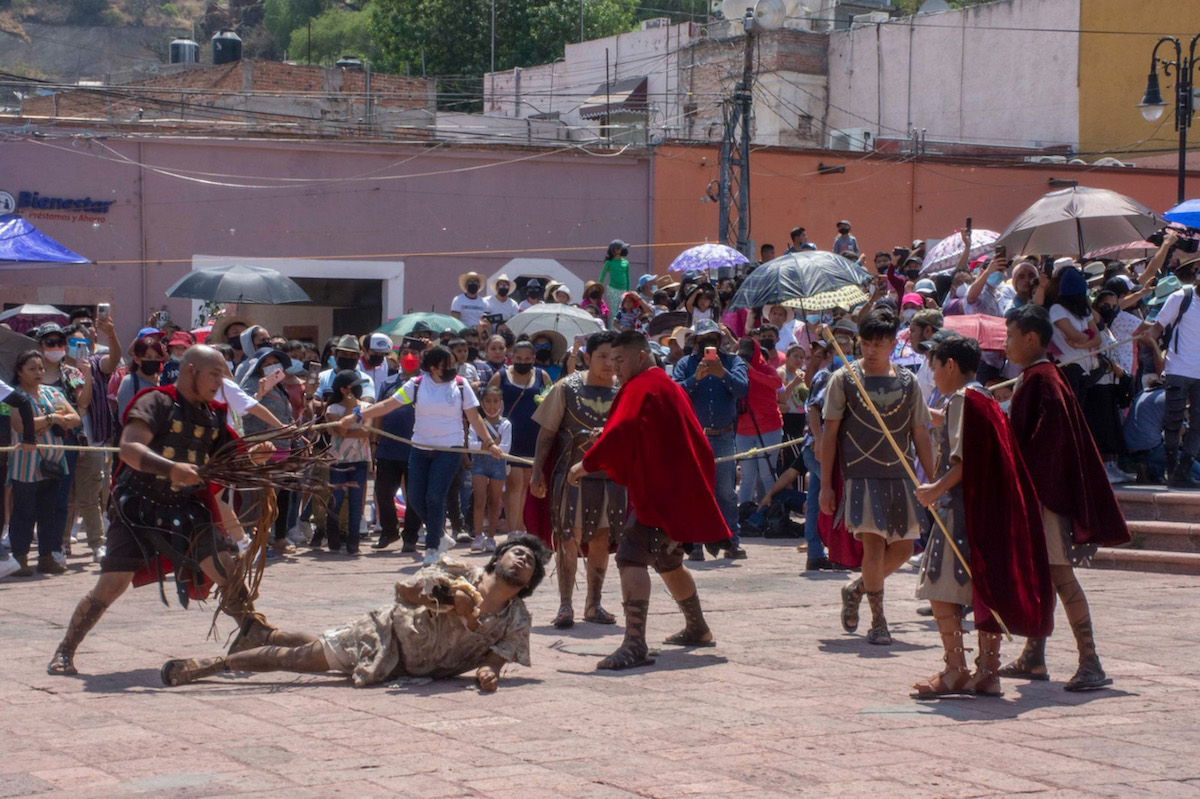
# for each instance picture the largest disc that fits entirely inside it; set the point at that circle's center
(925, 286)
(913, 298)
(50, 328)
(379, 343)
(844, 325)
(945, 334)
(181, 338)
(705, 327)
(147, 331)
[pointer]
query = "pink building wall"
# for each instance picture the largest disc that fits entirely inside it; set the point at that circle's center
(413, 205)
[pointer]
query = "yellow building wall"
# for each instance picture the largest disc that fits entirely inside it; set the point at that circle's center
(1113, 69)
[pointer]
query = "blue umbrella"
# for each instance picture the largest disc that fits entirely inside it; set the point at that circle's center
(21, 243)
(1186, 213)
(706, 257)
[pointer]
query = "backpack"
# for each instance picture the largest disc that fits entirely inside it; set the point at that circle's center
(458, 380)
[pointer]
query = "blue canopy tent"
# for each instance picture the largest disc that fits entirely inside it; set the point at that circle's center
(21, 244)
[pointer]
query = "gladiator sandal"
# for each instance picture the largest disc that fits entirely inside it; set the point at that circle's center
(1090, 675)
(878, 634)
(695, 631)
(633, 651)
(565, 617)
(592, 610)
(986, 679)
(852, 594)
(87, 613)
(953, 680)
(1030, 664)
(253, 633)
(181, 672)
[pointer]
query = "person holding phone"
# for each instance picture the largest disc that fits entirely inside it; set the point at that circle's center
(264, 381)
(716, 381)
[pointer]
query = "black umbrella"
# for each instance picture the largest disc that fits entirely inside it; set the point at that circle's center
(666, 322)
(811, 275)
(252, 284)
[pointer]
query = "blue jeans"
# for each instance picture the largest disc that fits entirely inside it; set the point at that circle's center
(345, 478)
(429, 477)
(793, 499)
(37, 505)
(723, 446)
(816, 547)
(757, 478)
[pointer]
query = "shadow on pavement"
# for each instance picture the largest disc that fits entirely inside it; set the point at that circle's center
(119, 682)
(855, 644)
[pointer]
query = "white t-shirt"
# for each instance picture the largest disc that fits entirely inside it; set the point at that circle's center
(1185, 362)
(501, 433)
(526, 305)
(439, 409)
(506, 307)
(1069, 353)
(469, 310)
(5, 390)
(232, 395)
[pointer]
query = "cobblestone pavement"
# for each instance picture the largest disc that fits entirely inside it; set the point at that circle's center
(785, 705)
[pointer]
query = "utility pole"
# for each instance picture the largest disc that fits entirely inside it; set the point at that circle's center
(734, 178)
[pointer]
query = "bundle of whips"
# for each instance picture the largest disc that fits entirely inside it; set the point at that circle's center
(284, 463)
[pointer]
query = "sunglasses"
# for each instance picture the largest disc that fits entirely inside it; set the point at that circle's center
(54, 342)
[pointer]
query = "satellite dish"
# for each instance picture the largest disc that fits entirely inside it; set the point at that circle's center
(769, 14)
(735, 9)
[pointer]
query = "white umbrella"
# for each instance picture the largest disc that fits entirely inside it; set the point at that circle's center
(1078, 220)
(945, 254)
(566, 320)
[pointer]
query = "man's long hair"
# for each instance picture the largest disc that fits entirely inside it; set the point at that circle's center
(540, 556)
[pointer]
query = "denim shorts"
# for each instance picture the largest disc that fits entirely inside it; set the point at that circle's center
(490, 467)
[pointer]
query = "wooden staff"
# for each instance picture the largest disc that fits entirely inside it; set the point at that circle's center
(887, 433)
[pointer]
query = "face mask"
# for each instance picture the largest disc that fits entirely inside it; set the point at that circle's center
(961, 291)
(534, 294)
(838, 362)
(542, 356)
(1004, 406)
(272, 369)
(908, 314)
(813, 318)
(726, 296)
(472, 286)
(375, 359)
(150, 368)
(995, 279)
(1108, 313)
(501, 291)
(229, 365)
(409, 362)
(55, 355)
(595, 295)
(768, 344)
(346, 363)
(235, 342)
(522, 368)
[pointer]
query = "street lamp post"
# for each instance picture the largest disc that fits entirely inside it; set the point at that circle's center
(1152, 105)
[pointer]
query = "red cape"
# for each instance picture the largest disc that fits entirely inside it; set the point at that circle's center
(1062, 458)
(1009, 568)
(653, 445)
(841, 546)
(149, 572)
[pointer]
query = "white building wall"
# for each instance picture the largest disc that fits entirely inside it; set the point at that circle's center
(982, 75)
(564, 86)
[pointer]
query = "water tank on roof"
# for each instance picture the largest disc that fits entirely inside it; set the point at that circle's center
(350, 62)
(226, 47)
(184, 51)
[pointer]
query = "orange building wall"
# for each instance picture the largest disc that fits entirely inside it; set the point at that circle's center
(889, 201)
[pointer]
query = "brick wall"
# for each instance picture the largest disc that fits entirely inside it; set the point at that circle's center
(266, 92)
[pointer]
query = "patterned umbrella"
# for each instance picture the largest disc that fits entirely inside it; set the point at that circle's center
(989, 331)
(808, 279)
(706, 257)
(945, 253)
(26, 317)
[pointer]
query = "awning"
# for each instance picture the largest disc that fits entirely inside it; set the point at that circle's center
(21, 244)
(627, 95)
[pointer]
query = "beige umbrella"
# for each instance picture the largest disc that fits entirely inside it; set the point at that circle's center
(1078, 220)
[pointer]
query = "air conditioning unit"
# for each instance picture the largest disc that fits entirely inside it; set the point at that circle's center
(657, 22)
(870, 19)
(858, 139)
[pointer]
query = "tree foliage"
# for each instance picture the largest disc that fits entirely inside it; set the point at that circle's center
(335, 33)
(281, 17)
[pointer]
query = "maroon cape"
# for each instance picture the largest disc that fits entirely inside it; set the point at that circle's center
(1062, 458)
(149, 572)
(841, 546)
(1009, 569)
(653, 445)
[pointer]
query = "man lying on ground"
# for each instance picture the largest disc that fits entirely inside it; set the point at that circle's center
(447, 619)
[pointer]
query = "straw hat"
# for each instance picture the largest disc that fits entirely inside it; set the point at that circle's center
(558, 343)
(217, 334)
(462, 280)
(663, 281)
(502, 278)
(592, 284)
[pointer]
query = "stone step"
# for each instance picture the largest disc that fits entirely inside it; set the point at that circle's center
(1146, 560)
(1165, 536)
(1151, 503)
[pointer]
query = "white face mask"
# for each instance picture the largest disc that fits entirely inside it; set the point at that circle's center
(1004, 406)
(908, 314)
(54, 356)
(229, 365)
(272, 369)
(961, 291)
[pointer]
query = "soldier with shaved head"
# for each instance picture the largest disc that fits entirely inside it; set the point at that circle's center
(162, 513)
